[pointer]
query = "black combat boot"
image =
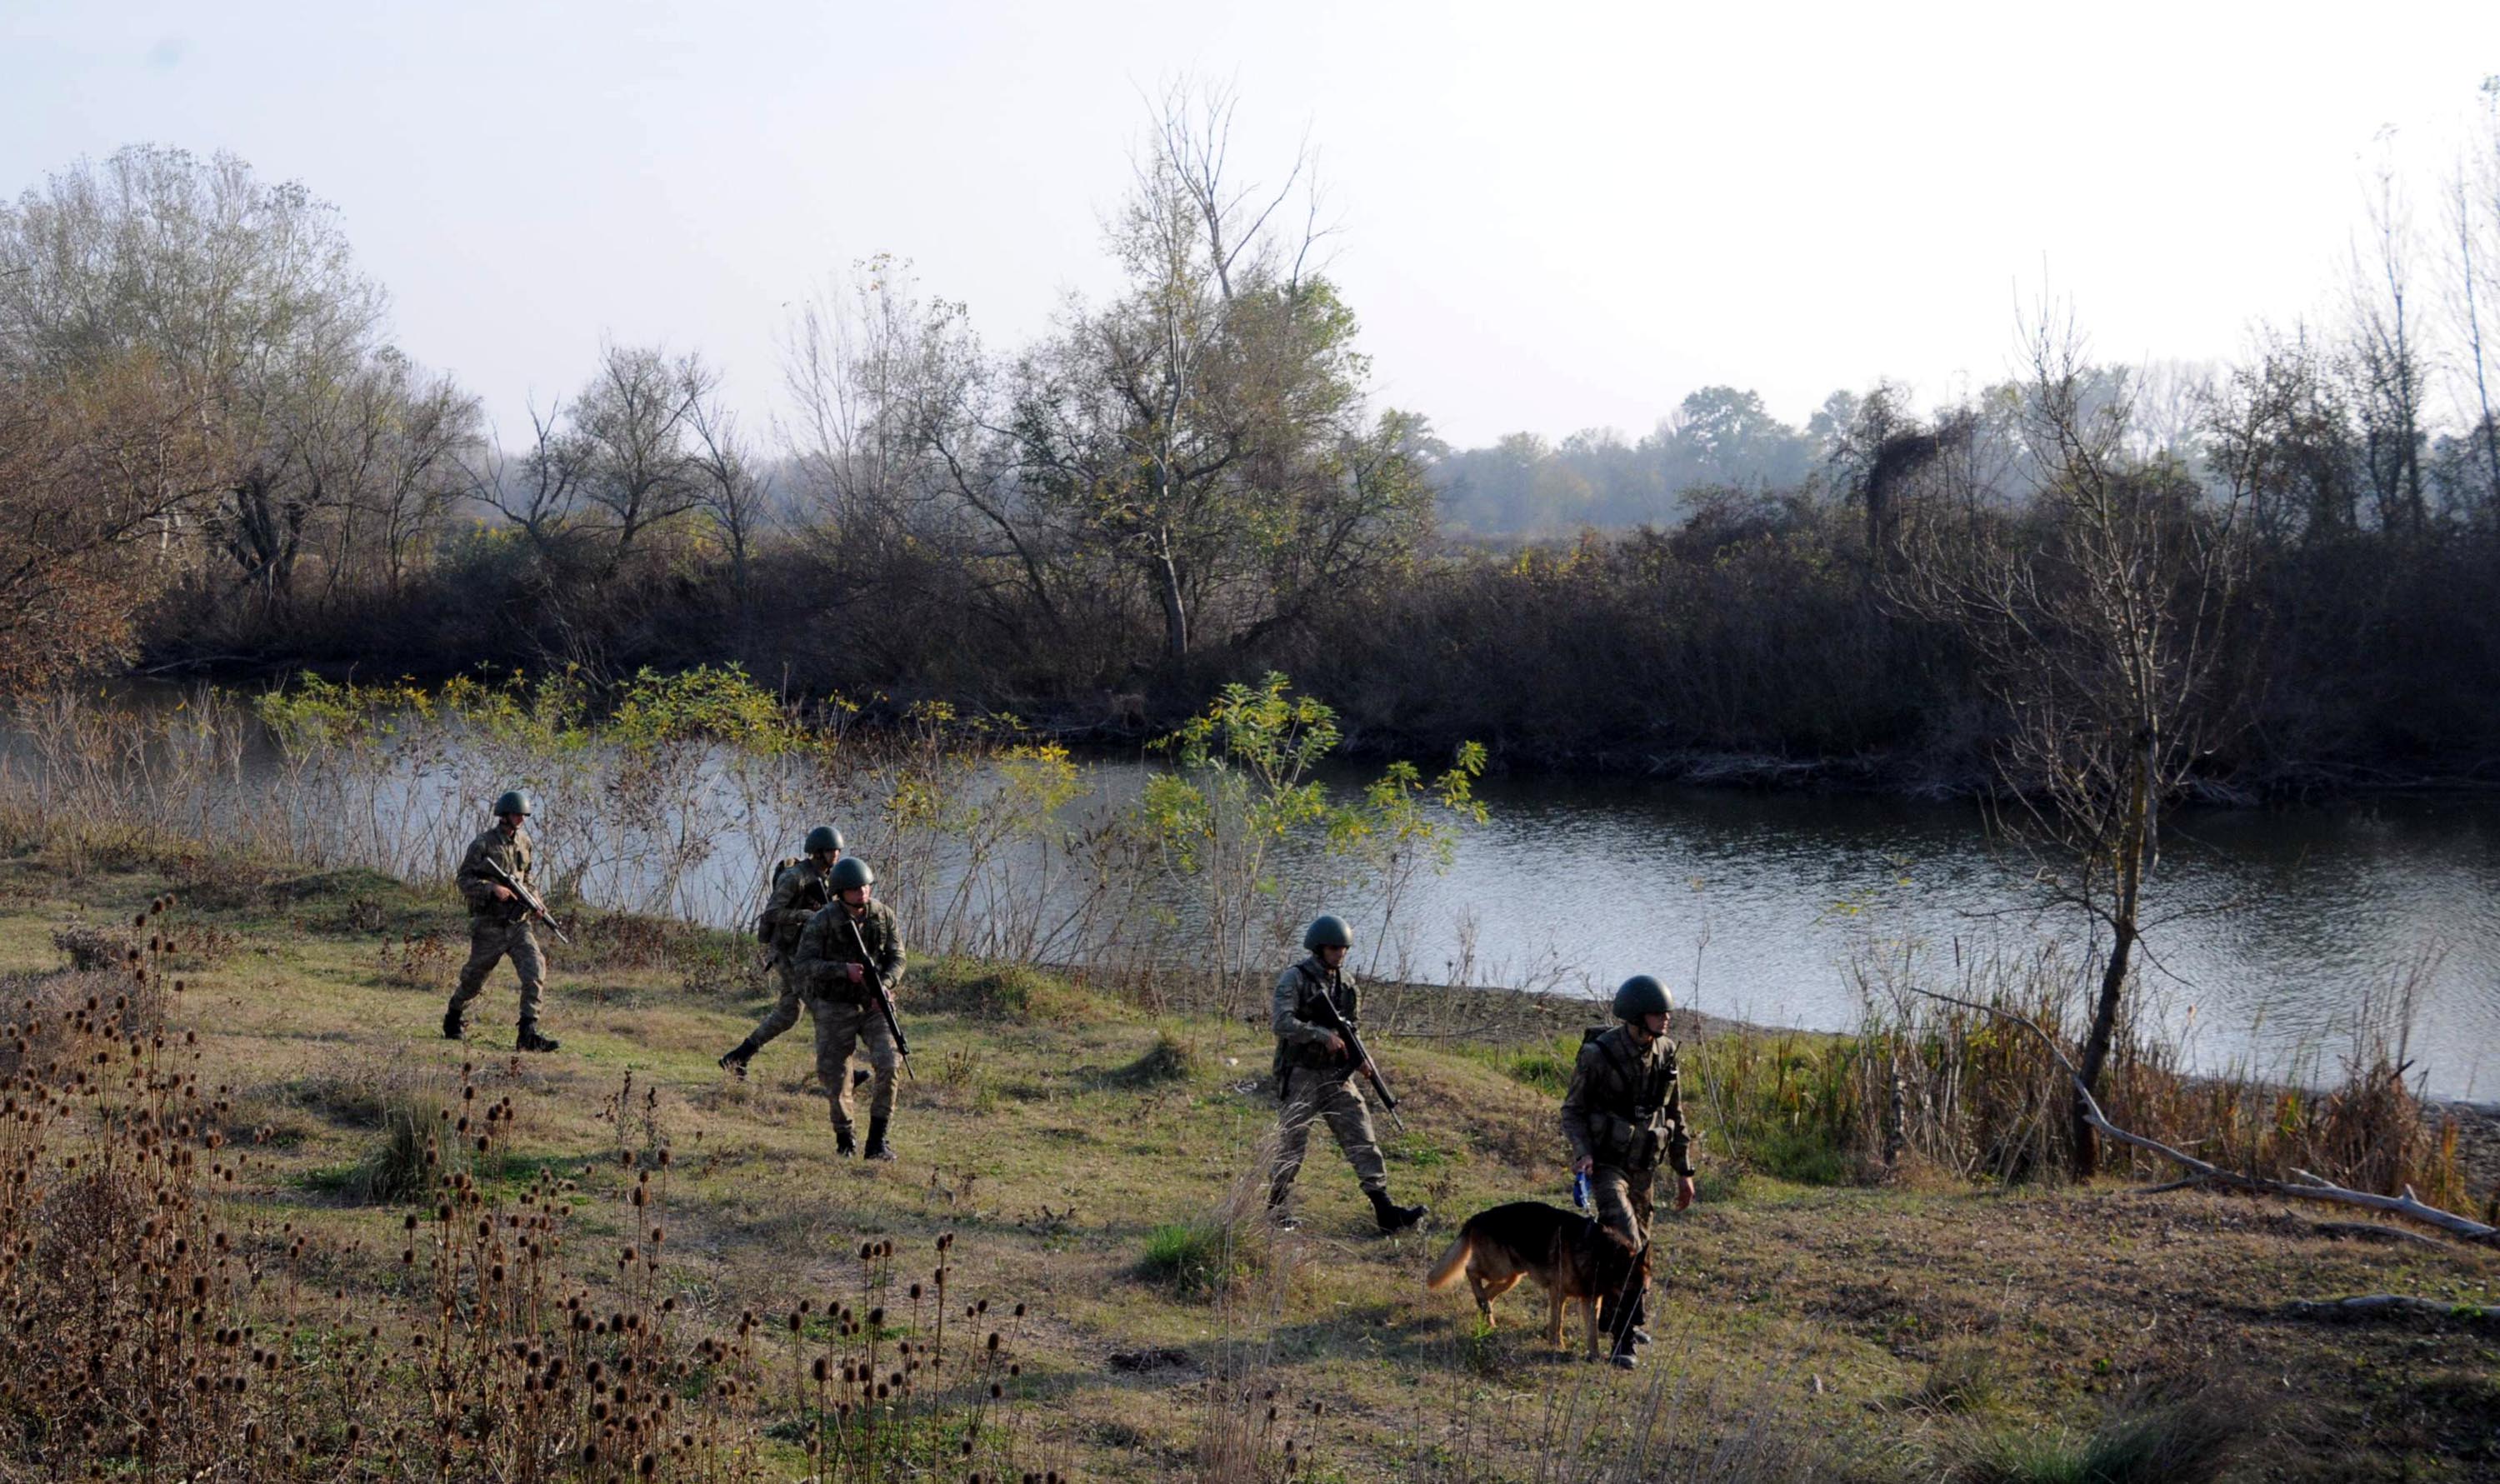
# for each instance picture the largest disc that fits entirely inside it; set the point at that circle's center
(736, 1058)
(1635, 1328)
(455, 1021)
(1277, 1195)
(1622, 1319)
(844, 1143)
(531, 1041)
(878, 1148)
(1391, 1216)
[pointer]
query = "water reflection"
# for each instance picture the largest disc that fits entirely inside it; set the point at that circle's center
(2273, 928)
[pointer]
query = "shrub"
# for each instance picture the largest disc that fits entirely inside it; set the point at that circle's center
(1173, 1058)
(400, 1167)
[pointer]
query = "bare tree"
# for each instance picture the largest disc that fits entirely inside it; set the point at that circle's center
(902, 434)
(617, 464)
(428, 428)
(2094, 618)
(2385, 364)
(2474, 215)
(539, 492)
(733, 491)
(632, 432)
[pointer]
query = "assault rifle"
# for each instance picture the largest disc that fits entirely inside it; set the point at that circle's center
(533, 903)
(1361, 1058)
(884, 996)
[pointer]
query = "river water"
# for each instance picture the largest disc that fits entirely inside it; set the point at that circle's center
(2277, 932)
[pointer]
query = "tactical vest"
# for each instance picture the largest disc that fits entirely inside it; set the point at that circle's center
(1314, 991)
(1631, 1138)
(514, 855)
(847, 942)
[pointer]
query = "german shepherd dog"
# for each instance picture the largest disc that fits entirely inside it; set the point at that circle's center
(1569, 1256)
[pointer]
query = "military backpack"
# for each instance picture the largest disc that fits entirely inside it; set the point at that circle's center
(766, 932)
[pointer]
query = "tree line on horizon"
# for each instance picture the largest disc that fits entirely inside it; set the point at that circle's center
(215, 457)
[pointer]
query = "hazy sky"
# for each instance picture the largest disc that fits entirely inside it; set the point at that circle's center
(1554, 217)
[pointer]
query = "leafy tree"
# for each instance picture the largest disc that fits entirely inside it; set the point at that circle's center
(1244, 789)
(1206, 428)
(95, 472)
(244, 299)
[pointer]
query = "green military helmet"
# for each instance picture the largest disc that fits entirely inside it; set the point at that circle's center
(514, 802)
(1328, 931)
(850, 870)
(1640, 996)
(824, 837)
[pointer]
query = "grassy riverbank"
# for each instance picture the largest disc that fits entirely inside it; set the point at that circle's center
(1083, 1154)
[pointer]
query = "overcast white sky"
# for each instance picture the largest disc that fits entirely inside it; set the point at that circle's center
(1555, 216)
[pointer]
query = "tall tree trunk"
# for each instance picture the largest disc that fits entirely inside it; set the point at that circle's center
(2135, 831)
(2466, 269)
(1176, 612)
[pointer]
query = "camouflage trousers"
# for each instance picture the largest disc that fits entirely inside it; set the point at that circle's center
(491, 939)
(1314, 1092)
(1625, 1200)
(841, 1027)
(1626, 1205)
(785, 1011)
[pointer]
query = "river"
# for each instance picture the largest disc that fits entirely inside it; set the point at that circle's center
(2274, 933)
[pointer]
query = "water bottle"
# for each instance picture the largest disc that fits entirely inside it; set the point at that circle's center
(1580, 1191)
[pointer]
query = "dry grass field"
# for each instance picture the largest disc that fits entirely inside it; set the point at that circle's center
(1094, 1165)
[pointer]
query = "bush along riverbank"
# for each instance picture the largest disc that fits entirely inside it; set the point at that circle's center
(279, 1225)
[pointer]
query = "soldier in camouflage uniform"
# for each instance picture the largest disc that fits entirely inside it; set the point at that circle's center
(1315, 1075)
(841, 946)
(1624, 1112)
(799, 888)
(499, 925)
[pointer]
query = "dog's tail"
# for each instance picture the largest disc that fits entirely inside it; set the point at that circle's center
(1452, 1264)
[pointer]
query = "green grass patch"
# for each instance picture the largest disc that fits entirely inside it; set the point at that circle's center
(1012, 993)
(1802, 1153)
(1194, 1257)
(1421, 1152)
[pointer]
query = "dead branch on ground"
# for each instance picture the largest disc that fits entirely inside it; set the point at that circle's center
(2463, 1228)
(2389, 1306)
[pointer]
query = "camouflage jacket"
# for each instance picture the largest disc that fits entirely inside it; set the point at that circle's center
(1301, 1026)
(1625, 1107)
(478, 885)
(799, 889)
(827, 942)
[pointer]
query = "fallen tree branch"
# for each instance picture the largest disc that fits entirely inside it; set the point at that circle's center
(2370, 1229)
(2391, 1306)
(2314, 1188)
